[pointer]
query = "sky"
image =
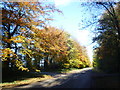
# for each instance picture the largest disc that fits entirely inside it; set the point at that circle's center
(70, 21)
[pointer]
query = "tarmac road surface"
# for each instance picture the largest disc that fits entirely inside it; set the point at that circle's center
(77, 79)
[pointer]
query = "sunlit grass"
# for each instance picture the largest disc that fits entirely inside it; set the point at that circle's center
(25, 81)
(64, 70)
(68, 70)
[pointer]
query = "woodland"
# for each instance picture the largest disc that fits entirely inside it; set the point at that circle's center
(29, 44)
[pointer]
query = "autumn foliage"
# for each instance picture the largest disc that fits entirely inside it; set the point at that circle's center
(29, 44)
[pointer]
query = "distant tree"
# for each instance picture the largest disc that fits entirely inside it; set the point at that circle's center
(57, 49)
(52, 43)
(77, 55)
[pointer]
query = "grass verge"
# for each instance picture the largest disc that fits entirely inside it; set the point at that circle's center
(66, 70)
(107, 82)
(26, 78)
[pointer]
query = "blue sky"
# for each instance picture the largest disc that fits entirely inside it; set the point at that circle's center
(70, 21)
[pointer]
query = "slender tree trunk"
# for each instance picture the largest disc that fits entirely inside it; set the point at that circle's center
(46, 62)
(28, 62)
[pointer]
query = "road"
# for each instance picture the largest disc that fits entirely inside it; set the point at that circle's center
(76, 79)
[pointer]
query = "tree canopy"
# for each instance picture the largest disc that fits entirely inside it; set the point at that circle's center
(107, 54)
(29, 44)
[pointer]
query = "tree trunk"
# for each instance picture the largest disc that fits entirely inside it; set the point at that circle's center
(29, 63)
(46, 62)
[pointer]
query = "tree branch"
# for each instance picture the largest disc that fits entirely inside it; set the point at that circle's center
(15, 29)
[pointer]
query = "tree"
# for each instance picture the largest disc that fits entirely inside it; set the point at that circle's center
(57, 49)
(108, 39)
(18, 18)
(52, 43)
(77, 55)
(107, 34)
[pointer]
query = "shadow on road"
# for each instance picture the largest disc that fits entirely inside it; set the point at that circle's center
(82, 79)
(102, 80)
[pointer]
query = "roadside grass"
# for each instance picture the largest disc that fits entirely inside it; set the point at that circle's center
(22, 78)
(72, 70)
(68, 70)
(96, 69)
(64, 70)
(107, 82)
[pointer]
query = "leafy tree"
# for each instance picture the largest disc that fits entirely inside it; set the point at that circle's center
(27, 39)
(77, 57)
(107, 34)
(57, 49)
(108, 52)
(18, 18)
(52, 43)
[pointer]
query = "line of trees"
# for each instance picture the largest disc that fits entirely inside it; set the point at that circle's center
(107, 54)
(27, 40)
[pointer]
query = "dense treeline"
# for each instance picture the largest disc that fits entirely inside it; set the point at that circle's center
(107, 54)
(29, 44)
(18, 21)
